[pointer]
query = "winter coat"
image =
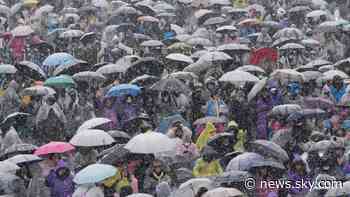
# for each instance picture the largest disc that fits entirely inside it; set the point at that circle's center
(60, 186)
(204, 137)
(10, 138)
(205, 169)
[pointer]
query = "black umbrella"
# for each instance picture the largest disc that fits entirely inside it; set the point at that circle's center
(147, 65)
(31, 70)
(217, 140)
(269, 149)
(119, 136)
(114, 155)
(97, 66)
(171, 85)
(13, 118)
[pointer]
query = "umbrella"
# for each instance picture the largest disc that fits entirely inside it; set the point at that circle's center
(289, 32)
(249, 22)
(326, 68)
(38, 91)
(283, 137)
(310, 43)
(16, 8)
(150, 64)
(100, 3)
(140, 195)
(323, 145)
(24, 158)
(116, 154)
(171, 85)
(228, 28)
(328, 26)
(112, 68)
(44, 9)
(124, 89)
(251, 68)
(94, 173)
(215, 56)
(292, 46)
(125, 10)
(185, 76)
(8, 184)
(19, 149)
(148, 19)
(243, 162)
(343, 65)
(287, 75)
(32, 70)
(58, 59)
(220, 2)
(199, 41)
(181, 46)
(269, 149)
(60, 81)
(318, 63)
(314, 113)
(180, 58)
(91, 138)
(192, 186)
(234, 176)
(150, 142)
(223, 192)
(22, 31)
(271, 24)
(318, 102)
(93, 123)
(233, 47)
(329, 75)
(316, 14)
(214, 21)
(5, 10)
(7, 69)
(8, 167)
(215, 140)
(164, 7)
(89, 76)
(268, 163)
(152, 43)
(144, 80)
(87, 37)
(238, 76)
(311, 75)
(14, 117)
(128, 60)
(256, 89)
(71, 67)
(205, 120)
(343, 189)
(119, 134)
(54, 147)
(300, 9)
(285, 110)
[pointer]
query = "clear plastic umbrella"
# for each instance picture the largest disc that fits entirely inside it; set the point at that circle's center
(150, 142)
(238, 76)
(223, 192)
(91, 138)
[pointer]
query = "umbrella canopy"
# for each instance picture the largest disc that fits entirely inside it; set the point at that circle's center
(22, 31)
(319, 102)
(148, 19)
(329, 75)
(318, 63)
(8, 183)
(243, 162)
(14, 117)
(233, 47)
(31, 70)
(287, 75)
(58, 59)
(192, 186)
(145, 80)
(116, 154)
(24, 158)
(323, 145)
(71, 67)
(180, 58)
(234, 176)
(152, 43)
(60, 81)
(140, 195)
(238, 76)
(54, 147)
(227, 28)
(215, 56)
(19, 149)
(124, 89)
(316, 14)
(171, 85)
(314, 113)
(112, 68)
(89, 76)
(185, 76)
(205, 120)
(94, 173)
(289, 32)
(269, 149)
(8, 167)
(256, 89)
(214, 21)
(251, 68)
(150, 142)
(223, 192)
(311, 75)
(194, 41)
(285, 110)
(38, 91)
(328, 26)
(216, 140)
(93, 123)
(91, 138)
(125, 10)
(310, 43)
(119, 134)
(7, 69)
(268, 163)
(71, 34)
(292, 46)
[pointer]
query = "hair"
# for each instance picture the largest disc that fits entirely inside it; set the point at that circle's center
(125, 191)
(201, 191)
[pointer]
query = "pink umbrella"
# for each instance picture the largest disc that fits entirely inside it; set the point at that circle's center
(54, 147)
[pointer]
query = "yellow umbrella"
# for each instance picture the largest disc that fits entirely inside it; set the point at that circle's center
(30, 2)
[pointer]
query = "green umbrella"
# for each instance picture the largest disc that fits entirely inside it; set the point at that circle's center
(60, 81)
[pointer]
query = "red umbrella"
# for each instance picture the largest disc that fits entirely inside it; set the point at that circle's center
(54, 147)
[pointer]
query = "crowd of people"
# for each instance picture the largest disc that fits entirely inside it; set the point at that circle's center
(174, 98)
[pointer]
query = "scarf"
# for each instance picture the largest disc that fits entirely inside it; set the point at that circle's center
(158, 177)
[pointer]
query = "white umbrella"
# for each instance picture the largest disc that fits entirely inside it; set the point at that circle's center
(191, 187)
(38, 91)
(94, 122)
(7, 69)
(215, 56)
(238, 76)
(178, 29)
(316, 13)
(8, 167)
(223, 192)
(292, 46)
(226, 28)
(256, 89)
(91, 138)
(251, 68)
(152, 43)
(140, 195)
(100, 3)
(310, 42)
(326, 68)
(179, 57)
(287, 75)
(329, 75)
(150, 142)
(113, 68)
(198, 41)
(311, 75)
(24, 158)
(328, 26)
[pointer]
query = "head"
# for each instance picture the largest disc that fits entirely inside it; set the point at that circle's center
(337, 81)
(201, 191)
(157, 166)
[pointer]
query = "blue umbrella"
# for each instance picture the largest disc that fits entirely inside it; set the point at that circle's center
(124, 89)
(167, 122)
(58, 59)
(94, 173)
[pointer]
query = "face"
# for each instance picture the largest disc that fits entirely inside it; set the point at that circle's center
(157, 167)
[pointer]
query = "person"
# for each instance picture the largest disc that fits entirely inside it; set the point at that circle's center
(215, 106)
(298, 173)
(60, 181)
(84, 157)
(10, 101)
(209, 131)
(163, 190)
(337, 89)
(178, 130)
(263, 106)
(207, 166)
(110, 112)
(156, 174)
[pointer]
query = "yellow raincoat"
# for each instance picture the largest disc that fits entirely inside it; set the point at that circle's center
(203, 138)
(241, 137)
(117, 181)
(205, 169)
(240, 3)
